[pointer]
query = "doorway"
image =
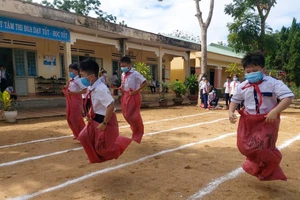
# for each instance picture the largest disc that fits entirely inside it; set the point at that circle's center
(6, 59)
(212, 77)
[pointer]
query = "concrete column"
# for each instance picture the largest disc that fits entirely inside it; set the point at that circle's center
(123, 47)
(160, 66)
(188, 64)
(218, 78)
(67, 59)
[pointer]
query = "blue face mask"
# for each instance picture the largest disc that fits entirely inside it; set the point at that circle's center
(124, 69)
(254, 77)
(85, 81)
(235, 79)
(71, 74)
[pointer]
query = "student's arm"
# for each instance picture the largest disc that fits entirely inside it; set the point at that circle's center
(144, 84)
(80, 92)
(232, 108)
(284, 104)
(108, 114)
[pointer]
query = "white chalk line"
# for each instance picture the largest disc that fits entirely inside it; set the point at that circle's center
(210, 187)
(109, 169)
(127, 126)
(76, 149)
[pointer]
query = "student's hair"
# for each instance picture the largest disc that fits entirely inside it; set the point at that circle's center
(74, 66)
(125, 59)
(255, 58)
(89, 66)
(115, 73)
(229, 77)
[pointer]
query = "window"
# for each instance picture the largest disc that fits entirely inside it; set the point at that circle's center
(62, 65)
(153, 71)
(193, 70)
(115, 67)
(31, 63)
(19, 57)
(25, 63)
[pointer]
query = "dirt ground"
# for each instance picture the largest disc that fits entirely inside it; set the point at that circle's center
(185, 151)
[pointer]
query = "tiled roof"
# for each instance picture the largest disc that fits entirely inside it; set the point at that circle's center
(213, 48)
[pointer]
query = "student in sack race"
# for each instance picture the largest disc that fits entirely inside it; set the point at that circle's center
(259, 122)
(132, 84)
(73, 93)
(100, 138)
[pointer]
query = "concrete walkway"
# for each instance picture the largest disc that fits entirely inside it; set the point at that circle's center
(61, 111)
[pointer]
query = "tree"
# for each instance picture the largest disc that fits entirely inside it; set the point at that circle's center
(204, 24)
(233, 68)
(249, 30)
(286, 56)
(81, 7)
(185, 35)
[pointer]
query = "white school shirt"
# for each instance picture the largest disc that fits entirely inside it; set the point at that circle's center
(233, 87)
(270, 88)
(133, 81)
(202, 84)
(103, 79)
(101, 97)
(76, 85)
(227, 87)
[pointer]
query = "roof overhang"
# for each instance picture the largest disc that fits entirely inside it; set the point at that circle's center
(37, 13)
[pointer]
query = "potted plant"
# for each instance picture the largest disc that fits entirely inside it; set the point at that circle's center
(180, 89)
(144, 69)
(9, 113)
(191, 83)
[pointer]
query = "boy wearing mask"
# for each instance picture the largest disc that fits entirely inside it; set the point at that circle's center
(100, 138)
(132, 84)
(259, 122)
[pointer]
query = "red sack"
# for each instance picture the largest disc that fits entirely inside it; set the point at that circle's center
(104, 145)
(73, 112)
(130, 105)
(256, 140)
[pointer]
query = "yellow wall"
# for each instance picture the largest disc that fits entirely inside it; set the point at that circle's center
(52, 48)
(177, 69)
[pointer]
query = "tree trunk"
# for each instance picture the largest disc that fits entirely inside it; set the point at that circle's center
(203, 51)
(204, 26)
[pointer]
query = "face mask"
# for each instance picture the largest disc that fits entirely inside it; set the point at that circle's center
(85, 81)
(235, 79)
(71, 74)
(203, 78)
(228, 80)
(124, 69)
(254, 77)
(105, 74)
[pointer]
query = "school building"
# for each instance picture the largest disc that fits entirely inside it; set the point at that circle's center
(38, 43)
(218, 59)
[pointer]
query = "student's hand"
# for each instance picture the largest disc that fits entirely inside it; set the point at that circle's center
(271, 116)
(102, 126)
(133, 92)
(232, 117)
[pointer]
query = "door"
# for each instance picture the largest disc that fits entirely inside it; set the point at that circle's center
(20, 72)
(212, 77)
(25, 66)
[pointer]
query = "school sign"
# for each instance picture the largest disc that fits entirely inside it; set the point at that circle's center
(21, 27)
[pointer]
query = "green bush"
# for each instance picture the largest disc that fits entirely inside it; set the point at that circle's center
(179, 88)
(296, 91)
(191, 83)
